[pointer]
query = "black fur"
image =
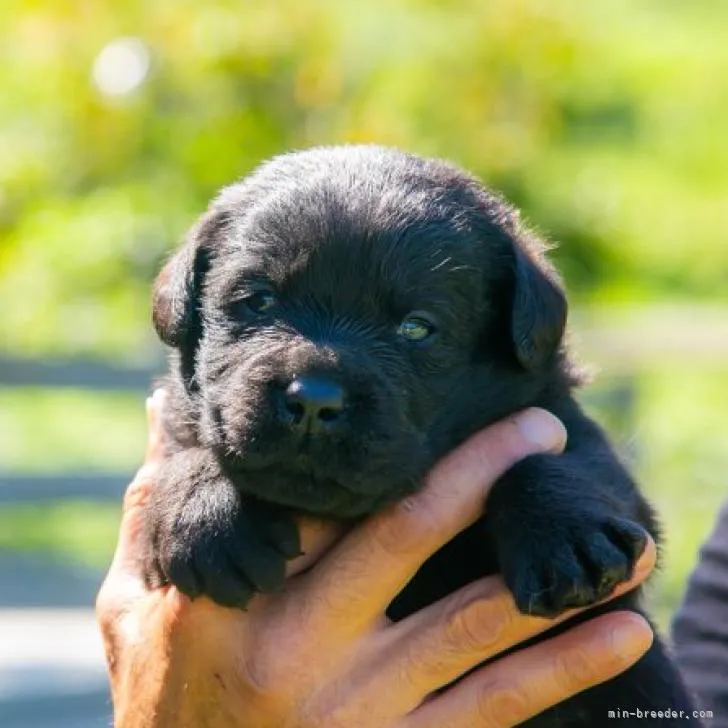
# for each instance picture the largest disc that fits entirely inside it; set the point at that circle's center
(304, 271)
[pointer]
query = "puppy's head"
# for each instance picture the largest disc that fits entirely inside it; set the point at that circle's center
(344, 316)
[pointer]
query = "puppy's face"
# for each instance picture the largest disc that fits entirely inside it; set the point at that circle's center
(345, 316)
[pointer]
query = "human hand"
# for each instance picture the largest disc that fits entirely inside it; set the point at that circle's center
(322, 653)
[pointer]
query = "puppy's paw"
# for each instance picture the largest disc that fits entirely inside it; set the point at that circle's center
(574, 565)
(216, 545)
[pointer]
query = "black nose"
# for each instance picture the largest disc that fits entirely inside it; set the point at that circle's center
(314, 403)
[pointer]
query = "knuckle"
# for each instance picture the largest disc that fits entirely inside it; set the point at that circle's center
(496, 448)
(485, 458)
(501, 705)
(574, 670)
(401, 529)
(268, 681)
(138, 491)
(262, 676)
(477, 622)
(256, 675)
(179, 612)
(339, 715)
(274, 664)
(105, 609)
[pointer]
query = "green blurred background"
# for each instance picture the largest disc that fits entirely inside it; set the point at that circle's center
(605, 122)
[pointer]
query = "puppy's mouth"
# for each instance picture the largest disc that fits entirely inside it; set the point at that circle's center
(301, 486)
(300, 481)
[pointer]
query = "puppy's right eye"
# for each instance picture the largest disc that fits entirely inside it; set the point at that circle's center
(416, 328)
(260, 302)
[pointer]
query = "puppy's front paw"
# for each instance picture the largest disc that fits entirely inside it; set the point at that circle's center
(574, 564)
(216, 545)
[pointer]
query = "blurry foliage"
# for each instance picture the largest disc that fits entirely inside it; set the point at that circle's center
(604, 121)
(77, 530)
(55, 430)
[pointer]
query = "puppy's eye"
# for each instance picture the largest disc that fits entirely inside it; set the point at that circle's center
(415, 328)
(260, 302)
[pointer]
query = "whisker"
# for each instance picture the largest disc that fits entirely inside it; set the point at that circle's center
(441, 263)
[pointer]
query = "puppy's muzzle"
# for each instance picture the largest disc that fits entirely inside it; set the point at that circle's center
(312, 404)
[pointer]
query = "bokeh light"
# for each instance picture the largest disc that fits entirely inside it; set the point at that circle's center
(121, 66)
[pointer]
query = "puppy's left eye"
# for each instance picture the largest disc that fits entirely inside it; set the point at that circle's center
(415, 328)
(260, 302)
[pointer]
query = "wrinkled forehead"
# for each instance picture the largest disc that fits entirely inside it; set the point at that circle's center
(358, 242)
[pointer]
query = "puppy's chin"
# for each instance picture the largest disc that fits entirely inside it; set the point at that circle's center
(306, 491)
(341, 476)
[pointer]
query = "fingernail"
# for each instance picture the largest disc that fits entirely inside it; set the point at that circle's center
(646, 562)
(147, 471)
(155, 402)
(542, 429)
(631, 638)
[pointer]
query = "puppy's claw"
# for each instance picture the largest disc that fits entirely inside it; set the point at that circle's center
(181, 572)
(283, 535)
(230, 588)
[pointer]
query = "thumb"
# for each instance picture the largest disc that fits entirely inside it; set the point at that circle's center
(456, 489)
(128, 555)
(482, 459)
(457, 486)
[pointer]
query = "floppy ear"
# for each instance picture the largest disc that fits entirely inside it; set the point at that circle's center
(176, 295)
(538, 315)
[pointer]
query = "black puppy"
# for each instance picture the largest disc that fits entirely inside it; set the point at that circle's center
(340, 320)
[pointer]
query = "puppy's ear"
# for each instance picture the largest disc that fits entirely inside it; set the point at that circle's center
(176, 296)
(538, 314)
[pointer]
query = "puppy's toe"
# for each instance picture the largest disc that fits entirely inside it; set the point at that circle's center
(606, 564)
(280, 531)
(229, 587)
(263, 565)
(579, 568)
(629, 536)
(154, 576)
(552, 585)
(179, 569)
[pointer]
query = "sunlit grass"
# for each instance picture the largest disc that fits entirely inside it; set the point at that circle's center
(80, 531)
(44, 431)
(676, 440)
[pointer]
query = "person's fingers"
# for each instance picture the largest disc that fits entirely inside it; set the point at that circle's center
(127, 558)
(124, 580)
(155, 437)
(317, 537)
(355, 581)
(526, 683)
(442, 642)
